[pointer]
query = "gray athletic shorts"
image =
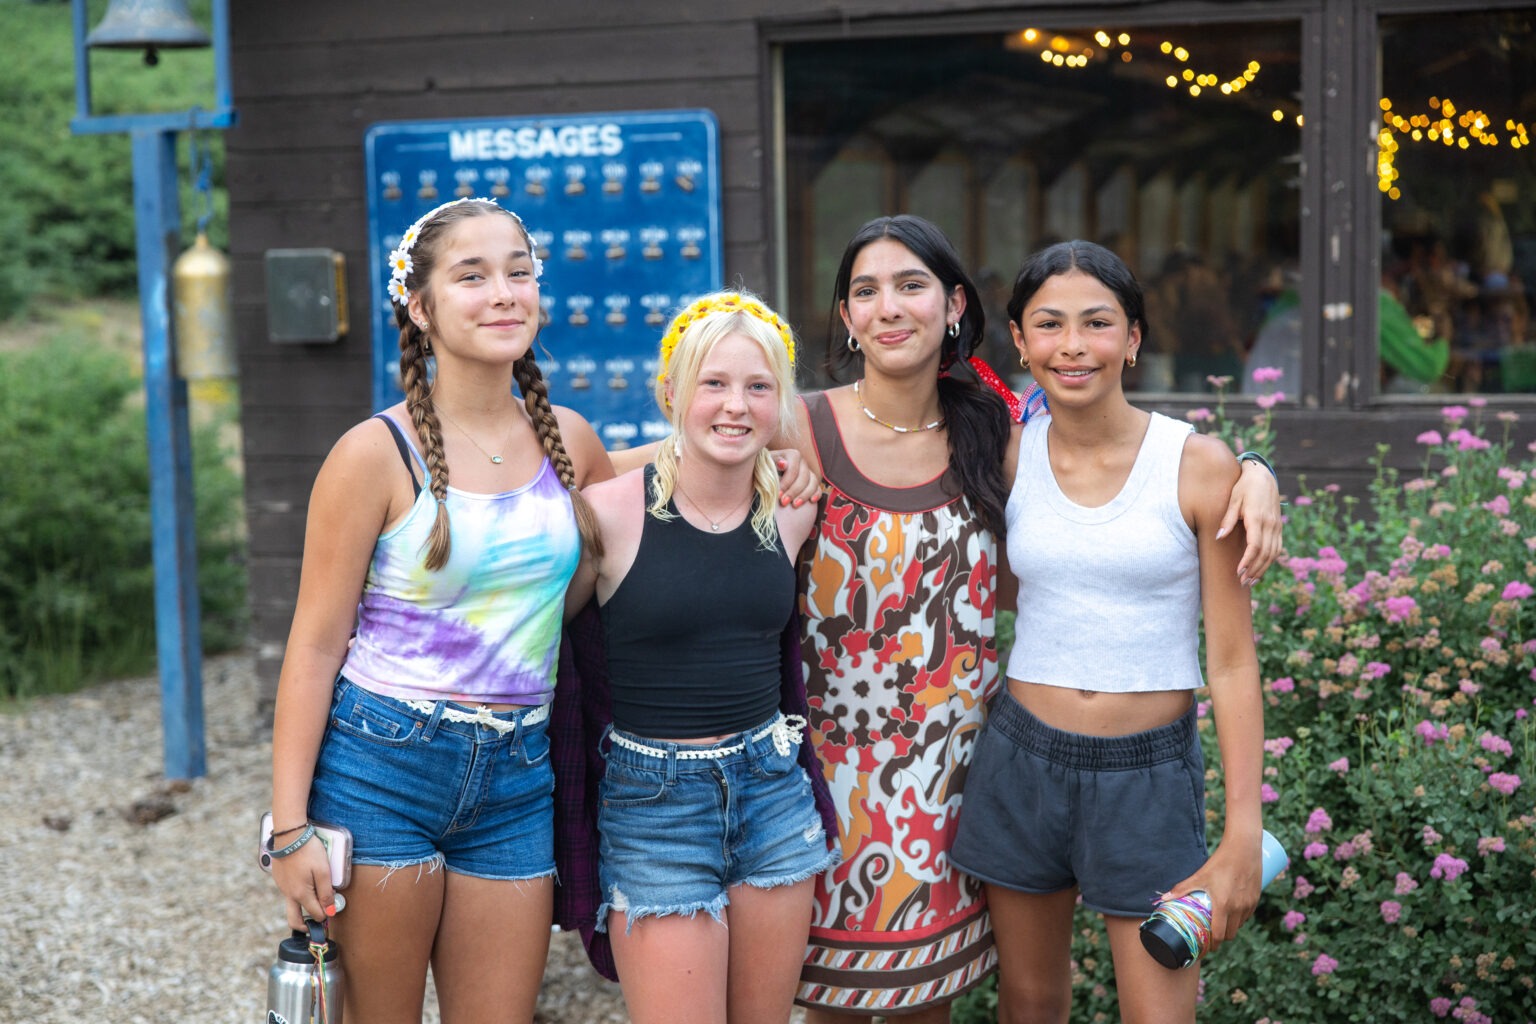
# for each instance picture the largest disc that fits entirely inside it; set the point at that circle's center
(1120, 817)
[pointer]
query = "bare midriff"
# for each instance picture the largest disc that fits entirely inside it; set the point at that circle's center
(1095, 713)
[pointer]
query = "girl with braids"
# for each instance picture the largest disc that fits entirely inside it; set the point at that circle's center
(710, 831)
(897, 599)
(445, 529)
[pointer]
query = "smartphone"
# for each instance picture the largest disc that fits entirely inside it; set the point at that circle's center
(336, 840)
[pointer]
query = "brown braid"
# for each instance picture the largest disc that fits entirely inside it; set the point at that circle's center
(418, 401)
(536, 397)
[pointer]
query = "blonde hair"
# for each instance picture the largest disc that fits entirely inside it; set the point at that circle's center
(695, 332)
(414, 350)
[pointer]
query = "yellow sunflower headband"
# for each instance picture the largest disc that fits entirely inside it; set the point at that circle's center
(721, 302)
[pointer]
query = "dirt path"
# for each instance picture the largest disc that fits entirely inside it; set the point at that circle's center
(127, 899)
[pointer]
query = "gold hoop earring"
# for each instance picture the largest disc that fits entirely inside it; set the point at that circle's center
(1023, 362)
(1130, 360)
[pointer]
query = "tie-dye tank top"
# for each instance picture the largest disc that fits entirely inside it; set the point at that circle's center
(486, 627)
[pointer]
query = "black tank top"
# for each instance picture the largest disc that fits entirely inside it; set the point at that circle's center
(693, 630)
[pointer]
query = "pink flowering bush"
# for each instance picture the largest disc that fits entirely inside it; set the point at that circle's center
(1402, 629)
(1397, 646)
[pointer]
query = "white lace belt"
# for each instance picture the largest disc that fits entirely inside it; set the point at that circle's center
(482, 715)
(786, 730)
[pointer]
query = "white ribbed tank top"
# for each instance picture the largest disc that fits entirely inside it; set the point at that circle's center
(1109, 597)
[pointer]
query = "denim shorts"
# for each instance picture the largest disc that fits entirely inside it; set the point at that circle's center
(1120, 817)
(417, 789)
(679, 829)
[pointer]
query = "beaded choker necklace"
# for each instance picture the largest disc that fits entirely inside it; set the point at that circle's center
(936, 424)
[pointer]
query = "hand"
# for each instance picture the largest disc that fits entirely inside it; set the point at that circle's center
(1256, 501)
(1231, 880)
(798, 482)
(304, 878)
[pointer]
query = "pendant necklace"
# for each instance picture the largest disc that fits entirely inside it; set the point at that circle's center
(495, 459)
(936, 424)
(714, 524)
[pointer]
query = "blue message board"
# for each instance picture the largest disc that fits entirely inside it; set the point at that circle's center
(624, 209)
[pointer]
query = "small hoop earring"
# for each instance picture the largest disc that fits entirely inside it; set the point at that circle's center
(1130, 360)
(853, 345)
(954, 329)
(1023, 363)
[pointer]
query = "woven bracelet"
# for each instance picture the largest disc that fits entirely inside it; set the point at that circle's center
(304, 837)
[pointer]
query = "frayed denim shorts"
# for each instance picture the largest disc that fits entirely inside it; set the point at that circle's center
(417, 789)
(1120, 817)
(682, 823)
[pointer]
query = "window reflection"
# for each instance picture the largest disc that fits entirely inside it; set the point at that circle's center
(1175, 145)
(1455, 172)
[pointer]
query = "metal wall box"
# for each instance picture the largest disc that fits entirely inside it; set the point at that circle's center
(306, 295)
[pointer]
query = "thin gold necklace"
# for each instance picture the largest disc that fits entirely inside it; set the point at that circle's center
(495, 459)
(714, 524)
(936, 424)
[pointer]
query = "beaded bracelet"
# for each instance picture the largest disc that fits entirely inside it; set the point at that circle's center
(285, 831)
(1261, 460)
(304, 837)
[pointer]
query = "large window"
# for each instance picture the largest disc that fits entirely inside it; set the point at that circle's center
(1457, 182)
(1176, 145)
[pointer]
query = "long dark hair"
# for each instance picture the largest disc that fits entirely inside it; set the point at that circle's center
(1092, 259)
(976, 417)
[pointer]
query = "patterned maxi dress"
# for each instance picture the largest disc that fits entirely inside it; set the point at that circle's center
(897, 602)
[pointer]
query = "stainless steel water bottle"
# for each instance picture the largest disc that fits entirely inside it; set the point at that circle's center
(303, 986)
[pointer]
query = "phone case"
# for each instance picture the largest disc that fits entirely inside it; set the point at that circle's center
(336, 839)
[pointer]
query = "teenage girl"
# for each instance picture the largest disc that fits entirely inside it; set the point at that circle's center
(710, 835)
(1088, 781)
(427, 738)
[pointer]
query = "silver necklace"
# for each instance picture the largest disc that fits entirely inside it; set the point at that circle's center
(714, 524)
(936, 424)
(495, 459)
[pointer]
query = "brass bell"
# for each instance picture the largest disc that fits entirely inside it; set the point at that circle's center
(205, 334)
(148, 25)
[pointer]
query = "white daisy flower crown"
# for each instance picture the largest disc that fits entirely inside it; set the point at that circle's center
(400, 263)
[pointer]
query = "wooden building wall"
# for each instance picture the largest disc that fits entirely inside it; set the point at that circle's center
(311, 77)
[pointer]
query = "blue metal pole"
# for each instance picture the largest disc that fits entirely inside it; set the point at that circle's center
(178, 635)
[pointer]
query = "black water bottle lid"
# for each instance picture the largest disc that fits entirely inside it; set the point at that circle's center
(1165, 943)
(295, 950)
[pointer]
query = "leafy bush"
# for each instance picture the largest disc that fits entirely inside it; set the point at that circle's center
(1396, 653)
(76, 573)
(67, 209)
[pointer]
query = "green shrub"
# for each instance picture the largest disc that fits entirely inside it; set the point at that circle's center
(67, 209)
(1397, 655)
(76, 573)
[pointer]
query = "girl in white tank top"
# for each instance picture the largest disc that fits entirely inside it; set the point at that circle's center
(1114, 531)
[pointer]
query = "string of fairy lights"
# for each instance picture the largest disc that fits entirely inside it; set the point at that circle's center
(1442, 125)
